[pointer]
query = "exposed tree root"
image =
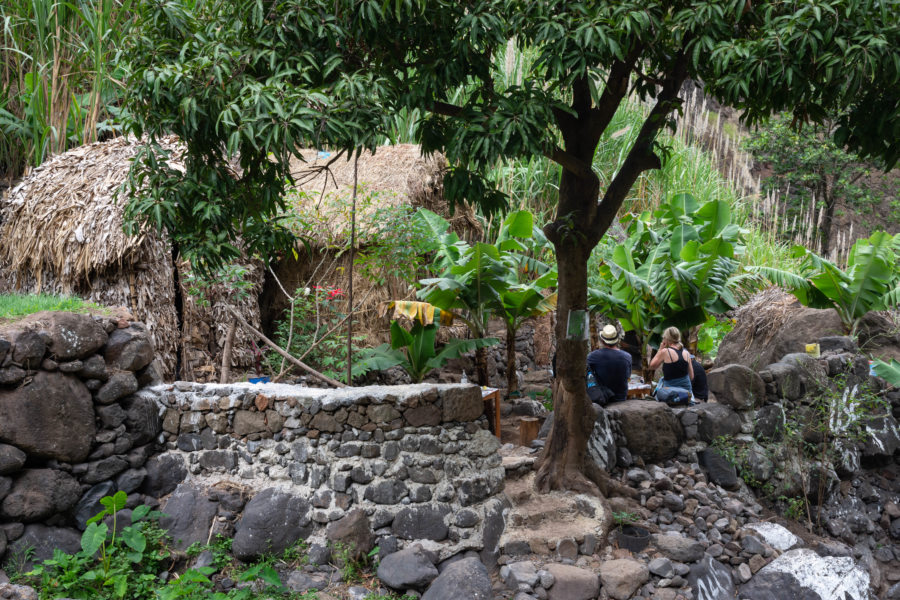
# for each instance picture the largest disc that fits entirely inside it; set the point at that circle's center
(554, 477)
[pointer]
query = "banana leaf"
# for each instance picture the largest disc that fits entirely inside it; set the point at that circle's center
(889, 371)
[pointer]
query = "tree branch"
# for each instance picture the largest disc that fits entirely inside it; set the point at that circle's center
(555, 153)
(613, 94)
(641, 157)
(570, 162)
(277, 349)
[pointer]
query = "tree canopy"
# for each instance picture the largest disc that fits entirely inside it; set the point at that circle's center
(246, 83)
(249, 82)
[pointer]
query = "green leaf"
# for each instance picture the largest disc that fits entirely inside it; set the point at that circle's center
(681, 235)
(456, 348)
(889, 371)
(518, 224)
(134, 539)
(399, 336)
(139, 513)
(683, 205)
(380, 358)
(93, 538)
(717, 214)
(114, 503)
(120, 585)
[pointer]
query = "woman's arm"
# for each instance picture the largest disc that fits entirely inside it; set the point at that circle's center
(658, 357)
(690, 362)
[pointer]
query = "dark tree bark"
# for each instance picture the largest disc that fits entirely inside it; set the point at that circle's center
(481, 366)
(512, 382)
(580, 223)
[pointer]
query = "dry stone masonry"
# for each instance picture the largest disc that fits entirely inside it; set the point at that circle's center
(415, 458)
(83, 414)
(71, 430)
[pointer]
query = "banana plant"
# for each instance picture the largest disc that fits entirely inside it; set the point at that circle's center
(528, 281)
(890, 371)
(870, 282)
(414, 351)
(676, 267)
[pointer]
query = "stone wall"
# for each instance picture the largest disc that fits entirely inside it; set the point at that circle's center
(71, 430)
(83, 414)
(775, 425)
(415, 458)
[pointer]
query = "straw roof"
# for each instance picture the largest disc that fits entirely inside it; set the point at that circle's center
(393, 176)
(63, 220)
(61, 232)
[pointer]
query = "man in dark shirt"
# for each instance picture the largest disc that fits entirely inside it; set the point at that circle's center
(611, 366)
(698, 383)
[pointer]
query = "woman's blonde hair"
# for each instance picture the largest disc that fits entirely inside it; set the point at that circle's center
(672, 335)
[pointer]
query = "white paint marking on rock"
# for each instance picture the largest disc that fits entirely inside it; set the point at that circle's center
(831, 577)
(775, 535)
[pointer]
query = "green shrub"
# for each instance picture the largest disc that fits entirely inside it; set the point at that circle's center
(314, 330)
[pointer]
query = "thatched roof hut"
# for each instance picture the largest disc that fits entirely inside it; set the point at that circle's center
(61, 232)
(394, 176)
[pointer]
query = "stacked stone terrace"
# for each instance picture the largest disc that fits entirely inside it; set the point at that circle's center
(416, 458)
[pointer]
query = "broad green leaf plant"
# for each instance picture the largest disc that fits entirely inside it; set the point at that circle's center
(870, 282)
(676, 267)
(414, 351)
(506, 279)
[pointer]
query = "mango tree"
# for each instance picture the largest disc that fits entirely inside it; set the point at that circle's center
(245, 84)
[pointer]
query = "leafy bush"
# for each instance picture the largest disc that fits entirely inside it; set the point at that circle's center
(677, 267)
(111, 564)
(711, 334)
(116, 563)
(870, 282)
(414, 351)
(313, 331)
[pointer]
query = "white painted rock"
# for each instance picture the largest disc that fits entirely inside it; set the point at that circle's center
(801, 573)
(776, 536)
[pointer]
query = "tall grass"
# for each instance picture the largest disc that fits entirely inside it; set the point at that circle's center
(58, 76)
(17, 305)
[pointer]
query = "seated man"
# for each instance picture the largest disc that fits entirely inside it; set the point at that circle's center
(611, 366)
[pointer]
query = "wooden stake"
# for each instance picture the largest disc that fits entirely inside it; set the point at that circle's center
(226, 353)
(528, 430)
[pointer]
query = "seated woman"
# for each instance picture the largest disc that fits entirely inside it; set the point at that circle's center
(675, 360)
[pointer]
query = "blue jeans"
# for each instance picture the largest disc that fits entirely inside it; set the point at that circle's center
(680, 382)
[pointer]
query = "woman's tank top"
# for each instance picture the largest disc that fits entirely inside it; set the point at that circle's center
(679, 368)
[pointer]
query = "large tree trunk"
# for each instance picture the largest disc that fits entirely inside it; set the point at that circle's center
(512, 381)
(564, 464)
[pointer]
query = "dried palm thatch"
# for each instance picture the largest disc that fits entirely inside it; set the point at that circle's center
(207, 319)
(61, 231)
(764, 314)
(392, 177)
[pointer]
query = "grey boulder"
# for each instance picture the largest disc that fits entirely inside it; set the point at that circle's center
(129, 349)
(189, 515)
(272, 522)
(465, 579)
(411, 567)
(52, 417)
(39, 494)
